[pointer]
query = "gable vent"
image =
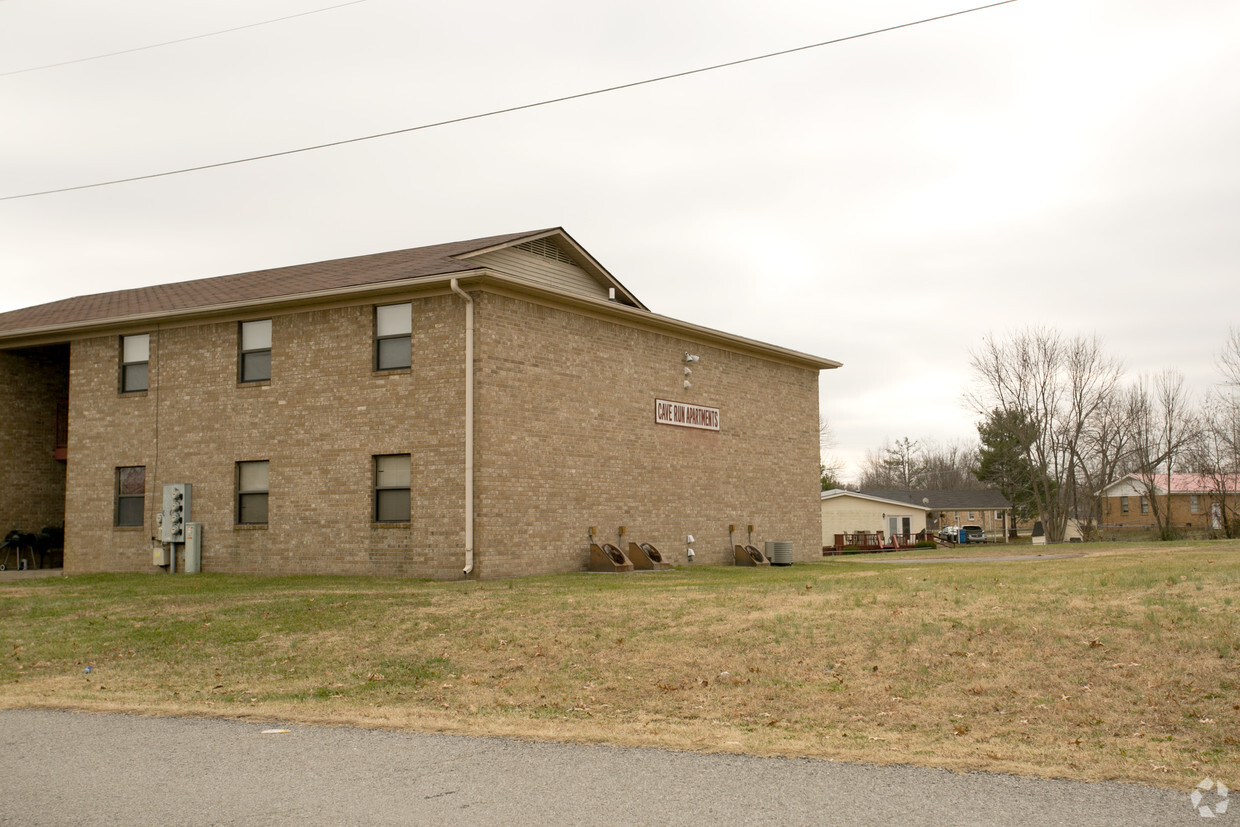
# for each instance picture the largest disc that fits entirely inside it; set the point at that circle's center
(546, 248)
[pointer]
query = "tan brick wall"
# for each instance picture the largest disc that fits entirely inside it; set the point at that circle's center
(319, 421)
(567, 439)
(1182, 515)
(32, 482)
(565, 435)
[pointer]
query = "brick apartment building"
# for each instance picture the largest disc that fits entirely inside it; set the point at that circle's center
(322, 412)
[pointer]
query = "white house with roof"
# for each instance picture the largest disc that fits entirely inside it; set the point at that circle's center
(854, 512)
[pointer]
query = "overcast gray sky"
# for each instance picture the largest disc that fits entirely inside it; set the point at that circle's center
(884, 202)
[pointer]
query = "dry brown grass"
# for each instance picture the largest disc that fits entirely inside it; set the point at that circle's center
(1118, 665)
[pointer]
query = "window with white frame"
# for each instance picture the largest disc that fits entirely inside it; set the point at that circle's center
(392, 476)
(135, 362)
(252, 492)
(254, 363)
(1145, 505)
(393, 336)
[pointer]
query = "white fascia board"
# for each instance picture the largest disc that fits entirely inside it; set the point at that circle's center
(837, 492)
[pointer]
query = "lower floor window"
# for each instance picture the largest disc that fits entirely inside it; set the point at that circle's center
(252, 483)
(130, 495)
(392, 477)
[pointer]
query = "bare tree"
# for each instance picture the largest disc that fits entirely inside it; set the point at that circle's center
(1057, 384)
(1215, 455)
(950, 466)
(894, 466)
(906, 464)
(1105, 452)
(1229, 358)
(1163, 426)
(829, 465)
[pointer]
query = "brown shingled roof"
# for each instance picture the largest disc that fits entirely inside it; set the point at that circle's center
(336, 274)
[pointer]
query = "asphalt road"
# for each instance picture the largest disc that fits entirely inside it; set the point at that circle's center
(86, 769)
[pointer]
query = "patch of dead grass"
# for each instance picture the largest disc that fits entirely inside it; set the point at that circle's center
(1119, 665)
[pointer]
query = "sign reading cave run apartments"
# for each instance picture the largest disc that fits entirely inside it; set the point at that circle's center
(685, 415)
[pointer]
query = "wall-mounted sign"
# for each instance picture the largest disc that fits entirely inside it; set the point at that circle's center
(685, 415)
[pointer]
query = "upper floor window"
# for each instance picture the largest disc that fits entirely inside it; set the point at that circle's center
(131, 495)
(393, 336)
(392, 488)
(135, 361)
(252, 486)
(255, 362)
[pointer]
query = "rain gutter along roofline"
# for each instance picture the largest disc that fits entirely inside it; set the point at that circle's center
(479, 278)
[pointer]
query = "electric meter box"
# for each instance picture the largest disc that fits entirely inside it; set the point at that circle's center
(175, 512)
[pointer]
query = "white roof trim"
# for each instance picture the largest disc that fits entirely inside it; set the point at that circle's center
(843, 492)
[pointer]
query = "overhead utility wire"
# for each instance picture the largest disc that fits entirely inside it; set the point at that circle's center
(494, 112)
(181, 40)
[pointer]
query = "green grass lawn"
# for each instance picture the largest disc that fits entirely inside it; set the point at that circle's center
(1121, 664)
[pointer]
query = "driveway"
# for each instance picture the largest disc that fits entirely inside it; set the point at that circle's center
(89, 769)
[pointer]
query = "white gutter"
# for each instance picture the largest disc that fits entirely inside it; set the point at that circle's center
(469, 426)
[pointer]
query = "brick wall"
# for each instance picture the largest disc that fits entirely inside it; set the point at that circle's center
(565, 439)
(319, 421)
(32, 482)
(1182, 515)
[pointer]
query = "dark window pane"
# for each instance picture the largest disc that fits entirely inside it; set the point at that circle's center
(131, 480)
(392, 506)
(253, 509)
(129, 511)
(256, 366)
(395, 353)
(133, 377)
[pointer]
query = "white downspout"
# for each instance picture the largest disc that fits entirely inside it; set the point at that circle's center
(469, 427)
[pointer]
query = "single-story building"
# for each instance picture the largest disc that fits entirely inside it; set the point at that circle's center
(860, 516)
(482, 408)
(986, 507)
(1198, 501)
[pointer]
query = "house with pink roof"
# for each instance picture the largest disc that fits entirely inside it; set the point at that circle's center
(1198, 501)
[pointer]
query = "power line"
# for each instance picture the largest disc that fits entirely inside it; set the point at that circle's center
(505, 111)
(180, 40)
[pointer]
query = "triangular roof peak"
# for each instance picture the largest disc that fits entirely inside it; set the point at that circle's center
(556, 247)
(323, 278)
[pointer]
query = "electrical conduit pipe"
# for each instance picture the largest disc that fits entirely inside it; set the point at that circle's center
(469, 426)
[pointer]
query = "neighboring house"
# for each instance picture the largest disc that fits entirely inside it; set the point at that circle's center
(1198, 501)
(475, 408)
(854, 513)
(984, 506)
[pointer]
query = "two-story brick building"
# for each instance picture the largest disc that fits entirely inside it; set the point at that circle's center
(473, 408)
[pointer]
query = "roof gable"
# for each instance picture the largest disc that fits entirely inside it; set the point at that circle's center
(554, 260)
(977, 499)
(840, 493)
(1136, 485)
(287, 282)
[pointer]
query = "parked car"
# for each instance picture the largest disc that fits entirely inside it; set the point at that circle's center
(950, 534)
(973, 533)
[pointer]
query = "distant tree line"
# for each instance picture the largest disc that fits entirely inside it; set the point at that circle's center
(1060, 422)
